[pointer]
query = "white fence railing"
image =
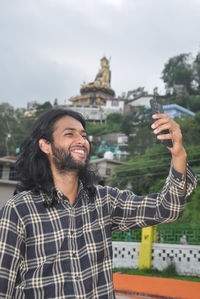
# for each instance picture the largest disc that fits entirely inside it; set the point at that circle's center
(185, 257)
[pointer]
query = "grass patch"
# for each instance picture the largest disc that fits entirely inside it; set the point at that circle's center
(169, 272)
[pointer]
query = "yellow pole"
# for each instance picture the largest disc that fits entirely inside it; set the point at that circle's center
(148, 236)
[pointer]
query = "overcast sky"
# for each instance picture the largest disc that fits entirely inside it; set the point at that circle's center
(49, 47)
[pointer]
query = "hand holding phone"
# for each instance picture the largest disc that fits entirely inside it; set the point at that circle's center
(157, 109)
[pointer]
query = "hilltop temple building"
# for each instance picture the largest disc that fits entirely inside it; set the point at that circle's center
(97, 99)
(97, 92)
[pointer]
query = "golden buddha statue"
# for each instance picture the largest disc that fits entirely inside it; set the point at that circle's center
(103, 76)
(97, 92)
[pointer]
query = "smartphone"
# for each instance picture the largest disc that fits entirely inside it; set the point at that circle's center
(156, 109)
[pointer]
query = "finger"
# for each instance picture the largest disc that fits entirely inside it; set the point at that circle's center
(165, 119)
(161, 128)
(175, 137)
(165, 136)
(158, 115)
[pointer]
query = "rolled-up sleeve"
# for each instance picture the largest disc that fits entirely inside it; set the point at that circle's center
(130, 211)
(11, 249)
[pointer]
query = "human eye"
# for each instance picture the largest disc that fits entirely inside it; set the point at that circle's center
(85, 136)
(68, 134)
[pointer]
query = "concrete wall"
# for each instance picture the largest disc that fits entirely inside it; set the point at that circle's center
(185, 257)
(114, 138)
(125, 254)
(105, 167)
(99, 113)
(141, 101)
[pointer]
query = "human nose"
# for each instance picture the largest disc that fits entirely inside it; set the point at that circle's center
(80, 139)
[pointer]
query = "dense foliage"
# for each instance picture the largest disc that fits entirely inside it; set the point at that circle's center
(13, 126)
(182, 71)
(144, 173)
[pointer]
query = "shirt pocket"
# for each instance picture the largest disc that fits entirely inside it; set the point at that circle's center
(96, 247)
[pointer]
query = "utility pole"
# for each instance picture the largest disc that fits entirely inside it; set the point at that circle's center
(7, 134)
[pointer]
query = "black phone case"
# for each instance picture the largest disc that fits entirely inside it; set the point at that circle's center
(156, 109)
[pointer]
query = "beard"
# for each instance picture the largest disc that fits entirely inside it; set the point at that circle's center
(64, 161)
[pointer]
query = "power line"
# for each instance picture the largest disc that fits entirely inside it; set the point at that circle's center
(147, 167)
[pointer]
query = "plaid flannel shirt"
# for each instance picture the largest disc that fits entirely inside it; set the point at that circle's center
(66, 251)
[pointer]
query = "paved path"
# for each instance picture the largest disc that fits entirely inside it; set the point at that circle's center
(125, 296)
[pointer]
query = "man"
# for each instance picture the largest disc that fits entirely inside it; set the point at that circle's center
(55, 233)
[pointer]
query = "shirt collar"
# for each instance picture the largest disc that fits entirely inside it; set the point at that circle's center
(61, 197)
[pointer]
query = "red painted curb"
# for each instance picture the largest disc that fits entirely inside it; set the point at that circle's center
(157, 287)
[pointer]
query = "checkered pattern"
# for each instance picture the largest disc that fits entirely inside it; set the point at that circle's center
(66, 251)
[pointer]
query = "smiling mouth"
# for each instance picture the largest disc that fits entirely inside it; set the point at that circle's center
(79, 151)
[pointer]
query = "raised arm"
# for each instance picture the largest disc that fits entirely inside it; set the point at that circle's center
(179, 156)
(130, 211)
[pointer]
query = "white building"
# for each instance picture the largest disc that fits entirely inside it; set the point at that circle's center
(140, 101)
(105, 168)
(99, 114)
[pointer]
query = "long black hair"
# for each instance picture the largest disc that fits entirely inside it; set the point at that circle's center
(33, 167)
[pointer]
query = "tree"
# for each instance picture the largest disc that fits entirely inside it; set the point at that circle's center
(147, 173)
(21, 127)
(114, 118)
(179, 71)
(137, 126)
(190, 128)
(141, 141)
(143, 172)
(43, 107)
(7, 122)
(127, 125)
(132, 94)
(13, 127)
(55, 102)
(196, 67)
(191, 213)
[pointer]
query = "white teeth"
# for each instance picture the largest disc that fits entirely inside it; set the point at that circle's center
(79, 151)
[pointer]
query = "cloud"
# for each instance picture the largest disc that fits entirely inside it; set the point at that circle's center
(49, 47)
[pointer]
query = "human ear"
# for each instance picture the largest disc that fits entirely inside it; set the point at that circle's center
(44, 146)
